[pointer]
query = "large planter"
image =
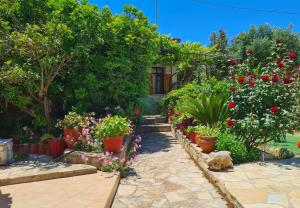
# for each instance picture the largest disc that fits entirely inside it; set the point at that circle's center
(43, 148)
(113, 144)
(192, 136)
(34, 148)
(206, 143)
(71, 136)
(56, 147)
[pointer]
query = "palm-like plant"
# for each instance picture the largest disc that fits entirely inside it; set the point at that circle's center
(207, 110)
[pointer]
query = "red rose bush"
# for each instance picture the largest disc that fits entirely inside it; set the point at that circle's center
(264, 101)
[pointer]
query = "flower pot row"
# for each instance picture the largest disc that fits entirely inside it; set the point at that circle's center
(54, 147)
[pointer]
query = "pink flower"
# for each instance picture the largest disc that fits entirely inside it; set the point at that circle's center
(233, 62)
(250, 52)
(265, 77)
(231, 104)
(241, 79)
(275, 78)
(251, 83)
(233, 89)
(292, 55)
(230, 122)
(287, 80)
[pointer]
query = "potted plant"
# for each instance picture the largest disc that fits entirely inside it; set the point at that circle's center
(112, 131)
(71, 124)
(56, 147)
(191, 133)
(43, 144)
(207, 138)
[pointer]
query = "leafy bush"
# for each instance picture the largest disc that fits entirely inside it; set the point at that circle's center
(112, 126)
(207, 110)
(264, 101)
(70, 121)
(239, 152)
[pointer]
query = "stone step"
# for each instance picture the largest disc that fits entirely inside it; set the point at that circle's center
(158, 127)
(30, 172)
(152, 119)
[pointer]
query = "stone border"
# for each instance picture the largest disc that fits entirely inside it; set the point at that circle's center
(199, 158)
(48, 173)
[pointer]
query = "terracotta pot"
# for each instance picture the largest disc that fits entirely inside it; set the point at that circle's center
(34, 148)
(192, 136)
(26, 148)
(206, 143)
(42, 148)
(113, 144)
(56, 147)
(71, 136)
(170, 119)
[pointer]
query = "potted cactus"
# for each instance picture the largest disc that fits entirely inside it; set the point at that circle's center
(112, 131)
(71, 124)
(207, 138)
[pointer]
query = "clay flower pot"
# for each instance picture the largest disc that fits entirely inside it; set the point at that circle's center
(170, 119)
(113, 144)
(206, 143)
(34, 148)
(56, 147)
(192, 136)
(42, 148)
(71, 136)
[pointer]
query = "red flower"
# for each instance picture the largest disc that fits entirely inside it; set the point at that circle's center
(280, 64)
(250, 52)
(230, 122)
(251, 83)
(275, 78)
(233, 89)
(298, 144)
(231, 104)
(233, 62)
(274, 109)
(287, 80)
(293, 55)
(265, 77)
(241, 79)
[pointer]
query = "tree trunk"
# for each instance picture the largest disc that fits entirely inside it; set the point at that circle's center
(47, 111)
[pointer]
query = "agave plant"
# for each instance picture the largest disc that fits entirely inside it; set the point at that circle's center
(207, 110)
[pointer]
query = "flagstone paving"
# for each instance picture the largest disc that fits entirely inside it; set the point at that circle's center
(165, 177)
(274, 184)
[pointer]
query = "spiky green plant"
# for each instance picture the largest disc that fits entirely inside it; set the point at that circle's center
(207, 110)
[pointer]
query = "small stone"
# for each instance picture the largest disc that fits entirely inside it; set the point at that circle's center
(219, 160)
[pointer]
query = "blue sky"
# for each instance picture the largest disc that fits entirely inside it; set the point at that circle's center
(194, 20)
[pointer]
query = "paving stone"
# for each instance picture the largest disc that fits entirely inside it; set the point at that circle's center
(166, 177)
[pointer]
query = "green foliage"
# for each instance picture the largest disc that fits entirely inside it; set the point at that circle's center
(207, 110)
(46, 137)
(239, 152)
(261, 39)
(265, 98)
(112, 126)
(71, 120)
(58, 56)
(207, 131)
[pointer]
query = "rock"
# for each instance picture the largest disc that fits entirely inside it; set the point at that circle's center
(219, 160)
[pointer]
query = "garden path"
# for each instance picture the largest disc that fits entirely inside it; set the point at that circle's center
(165, 176)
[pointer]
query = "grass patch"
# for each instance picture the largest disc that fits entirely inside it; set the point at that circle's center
(290, 144)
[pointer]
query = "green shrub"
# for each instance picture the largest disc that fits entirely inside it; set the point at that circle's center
(239, 152)
(207, 110)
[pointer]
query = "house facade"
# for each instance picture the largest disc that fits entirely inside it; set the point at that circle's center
(162, 79)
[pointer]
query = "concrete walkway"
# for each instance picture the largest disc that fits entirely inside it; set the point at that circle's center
(164, 176)
(87, 191)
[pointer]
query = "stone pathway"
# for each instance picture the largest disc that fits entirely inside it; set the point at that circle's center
(164, 176)
(275, 184)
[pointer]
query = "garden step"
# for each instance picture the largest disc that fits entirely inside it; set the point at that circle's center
(33, 171)
(158, 127)
(152, 119)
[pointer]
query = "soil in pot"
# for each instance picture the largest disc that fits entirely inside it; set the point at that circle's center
(206, 143)
(113, 144)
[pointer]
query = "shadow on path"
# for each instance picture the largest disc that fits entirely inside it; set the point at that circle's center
(5, 200)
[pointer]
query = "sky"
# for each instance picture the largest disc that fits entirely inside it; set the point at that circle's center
(195, 20)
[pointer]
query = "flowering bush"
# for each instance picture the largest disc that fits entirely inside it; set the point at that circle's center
(263, 104)
(70, 121)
